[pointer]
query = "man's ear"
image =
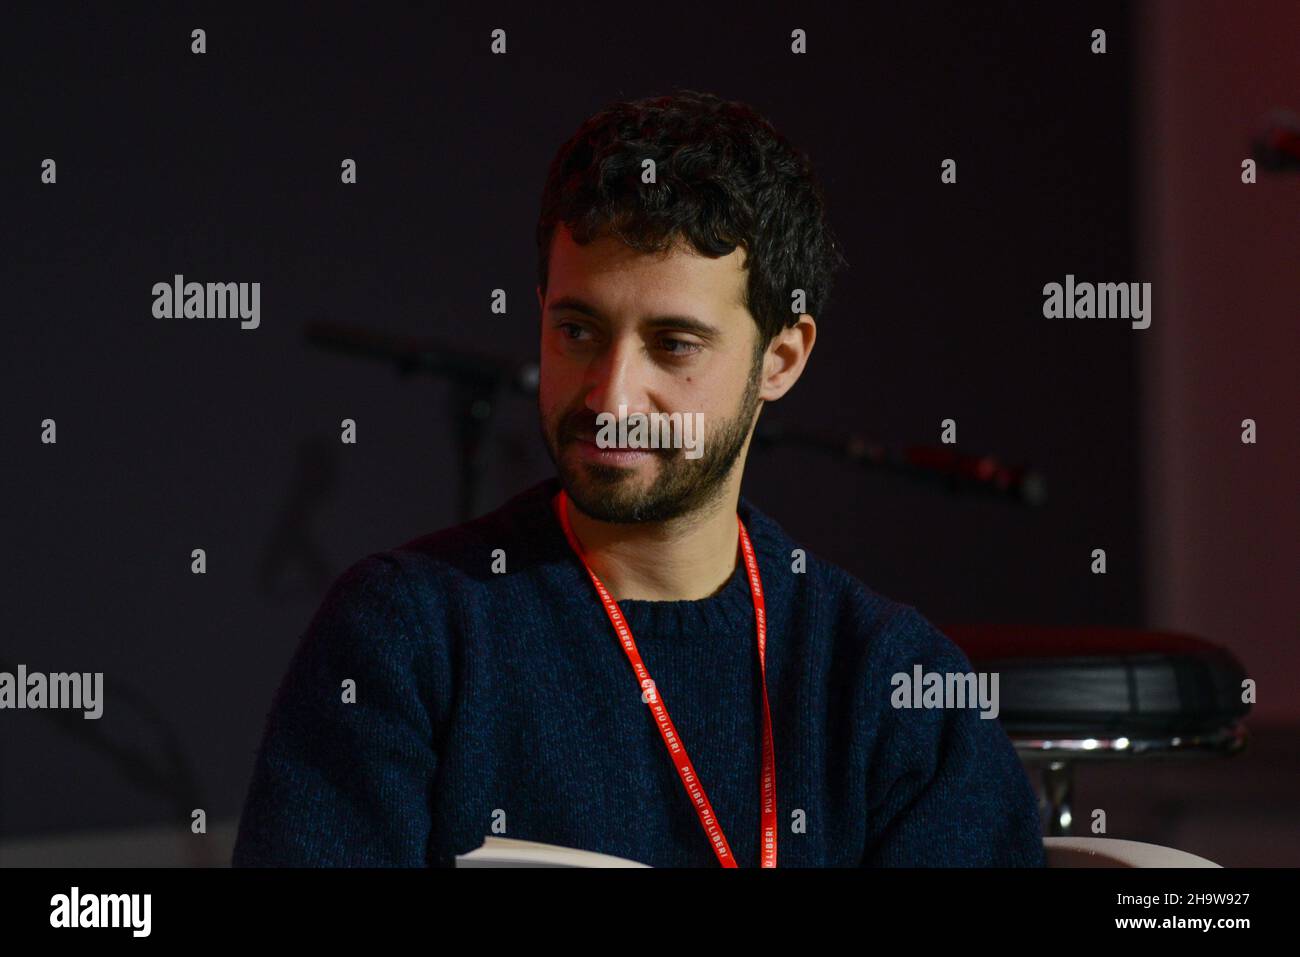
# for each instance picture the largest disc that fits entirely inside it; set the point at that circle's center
(787, 356)
(541, 303)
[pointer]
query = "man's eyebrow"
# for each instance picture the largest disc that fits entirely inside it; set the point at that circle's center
(681, 323)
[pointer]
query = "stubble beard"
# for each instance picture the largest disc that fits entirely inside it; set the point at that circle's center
(679, 487)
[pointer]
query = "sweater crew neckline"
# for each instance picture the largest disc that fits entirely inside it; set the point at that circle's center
(727, 611)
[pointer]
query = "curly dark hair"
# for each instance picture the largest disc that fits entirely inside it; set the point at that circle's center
(724, 178)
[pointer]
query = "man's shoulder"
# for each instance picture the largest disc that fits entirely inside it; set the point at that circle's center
(520, 520)
(859, 614)
(512, 536)
(794, 562)
(447, 562)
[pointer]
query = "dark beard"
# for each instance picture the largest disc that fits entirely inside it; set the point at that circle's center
(608, 494)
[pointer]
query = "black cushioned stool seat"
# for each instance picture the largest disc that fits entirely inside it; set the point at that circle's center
(1083, 693)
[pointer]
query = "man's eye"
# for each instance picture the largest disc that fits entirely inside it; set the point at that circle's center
(566, 327)
(687, 348)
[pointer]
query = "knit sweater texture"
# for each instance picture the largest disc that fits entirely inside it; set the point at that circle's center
(498, 700)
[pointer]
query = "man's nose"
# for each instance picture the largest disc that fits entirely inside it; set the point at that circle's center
(617, 378)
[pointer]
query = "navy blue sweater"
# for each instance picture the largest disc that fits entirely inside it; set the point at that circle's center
(486, 700)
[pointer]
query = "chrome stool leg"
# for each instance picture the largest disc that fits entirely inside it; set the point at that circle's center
(1057, 797)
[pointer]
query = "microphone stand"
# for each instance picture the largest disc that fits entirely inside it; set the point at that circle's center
(477, 381)
(958, 472)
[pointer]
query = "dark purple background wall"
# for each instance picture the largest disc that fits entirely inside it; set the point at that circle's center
(177, 434)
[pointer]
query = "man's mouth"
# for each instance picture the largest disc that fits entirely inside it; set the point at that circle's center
(589, 451)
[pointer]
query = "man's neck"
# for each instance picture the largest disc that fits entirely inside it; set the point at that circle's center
(682, 559)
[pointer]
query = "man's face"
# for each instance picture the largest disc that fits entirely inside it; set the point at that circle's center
(655, 333)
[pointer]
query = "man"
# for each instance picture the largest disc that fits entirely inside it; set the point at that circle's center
(630, 658)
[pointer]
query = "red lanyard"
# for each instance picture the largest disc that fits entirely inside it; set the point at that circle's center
(676, 750)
